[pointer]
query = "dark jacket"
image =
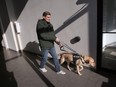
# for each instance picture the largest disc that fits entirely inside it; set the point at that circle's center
(45, 33)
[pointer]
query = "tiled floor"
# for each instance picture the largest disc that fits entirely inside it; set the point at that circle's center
(22, 71)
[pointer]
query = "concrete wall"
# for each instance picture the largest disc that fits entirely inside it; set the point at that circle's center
(71, 18)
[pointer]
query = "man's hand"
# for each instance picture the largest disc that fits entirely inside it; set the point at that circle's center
(57, 40)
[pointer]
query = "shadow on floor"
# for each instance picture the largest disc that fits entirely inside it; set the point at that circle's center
(32, 59)
(99, 79)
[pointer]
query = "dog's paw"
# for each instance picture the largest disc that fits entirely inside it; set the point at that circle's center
(80, 74)
(69, 69)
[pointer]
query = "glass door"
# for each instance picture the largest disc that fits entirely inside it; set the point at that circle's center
(108, 34)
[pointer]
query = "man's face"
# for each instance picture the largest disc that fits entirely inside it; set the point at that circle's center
(47, 18)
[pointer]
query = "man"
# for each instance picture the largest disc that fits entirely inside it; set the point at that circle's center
(46, 37)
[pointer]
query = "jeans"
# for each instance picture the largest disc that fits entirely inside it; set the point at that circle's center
(52, 52)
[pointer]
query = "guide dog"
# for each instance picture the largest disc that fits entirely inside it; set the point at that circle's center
(78, 60)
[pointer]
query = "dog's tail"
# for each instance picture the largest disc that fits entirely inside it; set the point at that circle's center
(59, 55)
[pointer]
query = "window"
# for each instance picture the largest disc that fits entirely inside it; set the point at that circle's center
(107, 24)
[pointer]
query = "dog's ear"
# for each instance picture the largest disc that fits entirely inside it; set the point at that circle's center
(87, 61)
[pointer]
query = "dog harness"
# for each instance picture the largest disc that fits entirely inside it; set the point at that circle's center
(76, 57)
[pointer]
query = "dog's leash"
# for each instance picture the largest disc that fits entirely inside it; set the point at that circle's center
(65, 45)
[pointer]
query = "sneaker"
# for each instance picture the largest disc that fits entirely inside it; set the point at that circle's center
(43, 69)
(61, 72)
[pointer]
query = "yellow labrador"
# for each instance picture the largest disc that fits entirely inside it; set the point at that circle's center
(78, 60)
